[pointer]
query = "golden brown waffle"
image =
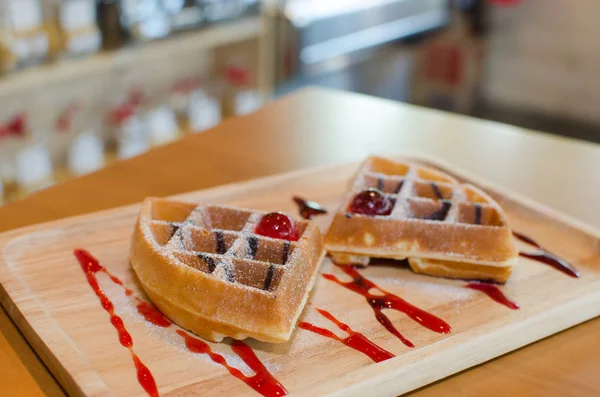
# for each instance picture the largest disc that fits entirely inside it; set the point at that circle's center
(444, 228)
(206, 270)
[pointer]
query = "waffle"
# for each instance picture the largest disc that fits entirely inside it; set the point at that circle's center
(444, 228)
(202, 266)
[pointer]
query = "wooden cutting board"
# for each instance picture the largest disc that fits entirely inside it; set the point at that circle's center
(46, 293)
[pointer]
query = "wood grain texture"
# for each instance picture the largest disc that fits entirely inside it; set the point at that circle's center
(317, 127)
(65, 323)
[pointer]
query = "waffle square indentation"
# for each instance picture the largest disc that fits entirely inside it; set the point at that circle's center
(220, 241)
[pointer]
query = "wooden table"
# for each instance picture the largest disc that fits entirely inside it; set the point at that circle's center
(316, 127)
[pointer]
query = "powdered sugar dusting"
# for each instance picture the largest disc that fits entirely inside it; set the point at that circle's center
(448, 220)
(263, 280)
(168, 338)
(435, 291)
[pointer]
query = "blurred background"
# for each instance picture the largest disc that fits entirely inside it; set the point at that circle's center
(86, 82)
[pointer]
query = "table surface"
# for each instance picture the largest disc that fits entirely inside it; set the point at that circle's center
(317, 127)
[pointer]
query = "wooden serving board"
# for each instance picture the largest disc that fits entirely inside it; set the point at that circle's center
(46, 293)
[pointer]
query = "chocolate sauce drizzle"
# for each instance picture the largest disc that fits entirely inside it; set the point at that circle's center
(174, 230)
(309, 209)
(252, 246)
(221, 248)
(543, 256)
(286, 253)
(477, 214)
(440, 214)
(227, 269)
(269, 278)
(399, 187)
(180, 234)
(436, 191)
(210, 262)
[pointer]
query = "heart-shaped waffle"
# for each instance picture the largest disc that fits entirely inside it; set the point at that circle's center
(205, 268)
(443, 227)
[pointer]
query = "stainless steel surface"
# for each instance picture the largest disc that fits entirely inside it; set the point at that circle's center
(313, 32)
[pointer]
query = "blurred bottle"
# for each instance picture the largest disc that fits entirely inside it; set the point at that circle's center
(8, 175)
(130, 129)
(144, 19)
(34, 168)
(67, 120)
(25, 41)
(162, 125)
(77, 25)
(183, 14)
(86, 153)
(197, 108)
(12, 139)
(14, 127)
(220, 10)
(240, 95)
(180, 95)
(474, 13)
(204, 111)
(449, 61)
(109, 21)
(132, 137)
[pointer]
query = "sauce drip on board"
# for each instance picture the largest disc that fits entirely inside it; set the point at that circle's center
(543, 256)
(263, 381)
(91, 267)
(387, 300)
(309, 209)
(152, 314)
(355, 340)
(493, 292)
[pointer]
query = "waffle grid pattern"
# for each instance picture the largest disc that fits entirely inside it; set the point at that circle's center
(220, 242)
(422, 193)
